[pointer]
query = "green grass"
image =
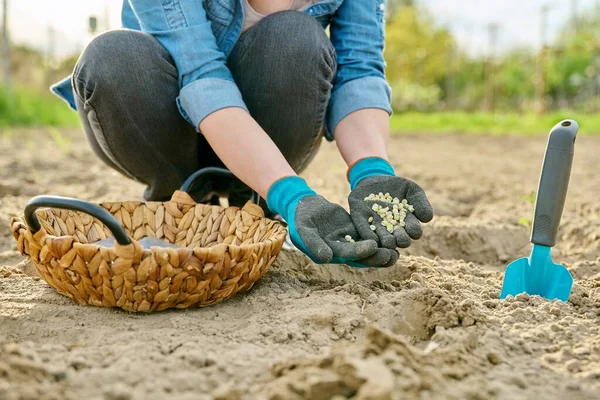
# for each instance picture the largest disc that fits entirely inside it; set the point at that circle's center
(35, 109)
(485, 123)
(43, 109)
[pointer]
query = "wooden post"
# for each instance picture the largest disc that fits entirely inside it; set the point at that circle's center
(490, 76)
(540, 81)
(6, 49)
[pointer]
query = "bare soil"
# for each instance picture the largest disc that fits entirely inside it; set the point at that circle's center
(432, 327)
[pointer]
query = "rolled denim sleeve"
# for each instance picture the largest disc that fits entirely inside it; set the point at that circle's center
(182, 27)
(358, 36)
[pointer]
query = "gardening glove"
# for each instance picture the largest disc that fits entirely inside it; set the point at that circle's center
(319, 228)
(376, 176)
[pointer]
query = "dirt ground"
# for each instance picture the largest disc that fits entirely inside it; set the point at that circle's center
(432, 327)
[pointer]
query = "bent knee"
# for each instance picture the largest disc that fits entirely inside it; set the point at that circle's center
(298, 37)
(116, 56)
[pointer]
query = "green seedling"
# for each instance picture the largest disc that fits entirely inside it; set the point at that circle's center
(530, 198)
(526, 222)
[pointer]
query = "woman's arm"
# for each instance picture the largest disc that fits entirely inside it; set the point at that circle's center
(245, 148)
(359, 119)
(360, 103)
(317, 227)
(362, 134)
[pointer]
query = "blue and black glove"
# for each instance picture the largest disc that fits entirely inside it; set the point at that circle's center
(320, 229)
(374, 176)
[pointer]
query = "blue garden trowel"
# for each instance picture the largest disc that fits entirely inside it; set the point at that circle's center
(538, 274)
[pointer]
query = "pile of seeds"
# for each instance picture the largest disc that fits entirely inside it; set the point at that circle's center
(390, 219)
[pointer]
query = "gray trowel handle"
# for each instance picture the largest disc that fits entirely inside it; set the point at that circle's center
(554, 181)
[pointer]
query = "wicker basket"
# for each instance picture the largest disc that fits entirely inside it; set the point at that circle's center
(147, 256)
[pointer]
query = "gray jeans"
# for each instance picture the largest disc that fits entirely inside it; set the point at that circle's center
(126, 83)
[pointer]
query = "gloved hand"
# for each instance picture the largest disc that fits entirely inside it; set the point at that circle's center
(374, 176)
(319, 228)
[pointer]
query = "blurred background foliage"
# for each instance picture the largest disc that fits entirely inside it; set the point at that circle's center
(430, 72)
(437, 85)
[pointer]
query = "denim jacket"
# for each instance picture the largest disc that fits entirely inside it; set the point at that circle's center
(200, 35)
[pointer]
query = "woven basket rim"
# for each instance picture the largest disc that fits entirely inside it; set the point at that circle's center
(280, 235)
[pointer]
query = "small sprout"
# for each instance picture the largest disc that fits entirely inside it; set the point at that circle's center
(411, 208)
(525, 222)
(348, 238)
(375, 207)
(390, 228)
(402, 224)
(373, 227)
(404, 201)
(370, 219)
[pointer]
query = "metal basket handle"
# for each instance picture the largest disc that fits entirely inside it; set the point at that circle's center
(191, 181)
(67, 203)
